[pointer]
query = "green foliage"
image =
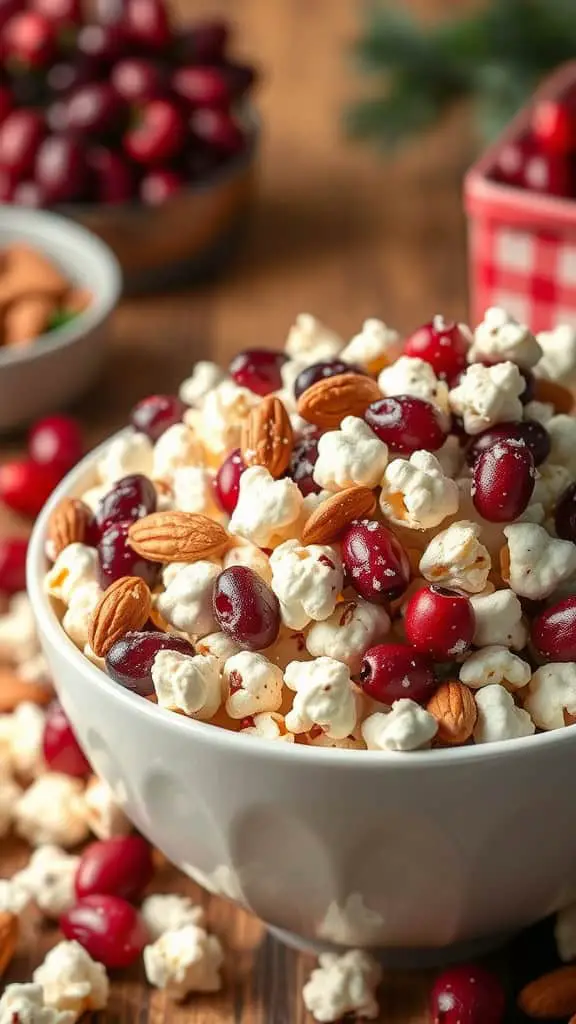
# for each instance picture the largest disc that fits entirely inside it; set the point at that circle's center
(494, 57)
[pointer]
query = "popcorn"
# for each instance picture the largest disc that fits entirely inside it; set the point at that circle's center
(558, 361)
(22, 732)
(183, 961)
(13, 898)
(168, 912)
(187, 601)
(540, 411)
(175, 448)
(220, 645)
(223, 411)
(456, 558)
(551, 692)
(72, 980)
(24, 1004)
(349, 456)
(498, 716)
(306, 581)
(487, 395)
(416, 494)
(551, 482)
(18, 636)
(75, 566)
(412, 376)
(268, 725)
(495, 664)
(343, 984)
(266, 508)
(562, 432)
(375, 346)
(346, 635)
(102, 812)
(499, 620)
(311, 341)
(252, 557)
(500, 337)
(50, 812)
(538, 563)
(131, 452)
(565, 933)
(193, 488)
(451, 456)
(205, 377)
(253, 684)
(324, 696)
(407, 726)
(49, 880)
(78, 615)
(190, 684)
(10, 793)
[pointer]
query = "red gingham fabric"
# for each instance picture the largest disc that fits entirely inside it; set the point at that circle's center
(532, 274)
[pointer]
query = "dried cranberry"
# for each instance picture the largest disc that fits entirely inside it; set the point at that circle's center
(406, 424)
(130, 498)
(112, 176)
(534, 434)
(245, 608)
(56, 441)
(319, 371)
(60, 748)
(376, 564)
(202, 86)
(20, 135)
(13, 551)
(30, 39)
(442, 344)
(158, 134)
(467, 994)
(203, 43)
(439, 622)
(121, 866)
(93, 108)
(109, 928)
(565, 517)
(147, 24)
(218, 129)
(302, 462)
(60, 169)
(390, 672)
(227, 482)
(137, 80)
(160, 184)
(117, 558)
(156, 413)
(503, 481)
(258, 369)
(554, 631)
(25, 485)
(530, 385)
(129, 660)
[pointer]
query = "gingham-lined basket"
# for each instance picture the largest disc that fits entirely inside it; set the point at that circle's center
(522, 245)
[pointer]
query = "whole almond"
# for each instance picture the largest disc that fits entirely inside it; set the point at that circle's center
(553, 995)
(267, 437)
(9, 931)
(124, 607)
(330, 399)
(331, 517)
(454, 708)
(14, 690)
(177, 537)
(68, 524)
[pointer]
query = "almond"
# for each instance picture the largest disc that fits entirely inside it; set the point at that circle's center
(125, 606)
(68, 524)
(330, 399)
(9, 931)
(553, 995)
(333, 515)
(14, 690)
(177, 537)
(454, 708)
(267, 437)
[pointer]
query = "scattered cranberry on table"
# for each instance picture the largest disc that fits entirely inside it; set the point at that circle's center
(439, 622)
(121, 866)
(467, 994)
(60, 748)
(109, 928)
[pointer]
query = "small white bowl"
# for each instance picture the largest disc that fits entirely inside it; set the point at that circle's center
(60, 365)
(429, 856)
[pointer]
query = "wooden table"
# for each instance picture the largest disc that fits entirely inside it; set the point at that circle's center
(339, 232)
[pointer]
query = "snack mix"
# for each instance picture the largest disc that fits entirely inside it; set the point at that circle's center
(368, 545)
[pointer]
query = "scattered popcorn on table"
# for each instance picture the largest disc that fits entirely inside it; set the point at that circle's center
(169, 912)
(416, 494)
(102, 812)
(375, 346)
(487, 395)
(51, 811)
(343, 984)
(352, 455)
(406, 726)
(72, 980)
(500, 337)
(498, 716)
(24, 1004)
(49, 879)
(183, 961)
(188, 683)
(558, 360)
(131, 452)
(253, 684)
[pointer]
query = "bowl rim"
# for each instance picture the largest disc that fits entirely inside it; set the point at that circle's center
(41, 226)
(51, 628)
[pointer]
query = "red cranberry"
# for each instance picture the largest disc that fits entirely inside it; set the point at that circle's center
(20, 135)
(201, 86)
(534, 435)
(303, 459)
(130, 498)
(93, 108)
(56, 441)
(239, 77)
(442, 344)
(13, 551)
(258, 369)
(217, 128)
(530, 385)
(467, 994)
(129, 660)
(155, 414)
(406, 424)
(29, 38)
(554, 126)
(103, 42)
(227, 482)
(60, 169)
(121, 866)
(245, 608)
(60, 748)
(160, 185)
(147, 23)
(439, 622)
(59, 12)
(6, 102)
(109, 928)
(112, 176)
(503, 481)
(25, 485)
(565, 516)
(554, 631)
(318, 371)
(137, 80)
(158, 135)
(376, 564)
(390, 672)
(117, 558)
(204, 43)
(7, 9)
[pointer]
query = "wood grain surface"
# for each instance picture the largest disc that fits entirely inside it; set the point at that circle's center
(338, 231)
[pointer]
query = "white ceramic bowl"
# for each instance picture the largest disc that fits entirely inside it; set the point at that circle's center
(428, 855)
(60, 365)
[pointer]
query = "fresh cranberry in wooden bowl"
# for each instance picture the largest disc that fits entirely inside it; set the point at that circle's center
(441, 343)
(565, 515)
(156, 413)
(246, 608)
(439, 622)
(60, 748)
(319, 371)
(376, 564)
(503, 480)
(121, 866)
(109, 928)
(258, 369)
(467, 994)
(554, 631)
(390, 672)
(129, 661)
(117, 558)
(407, 424)
(227, 481)
(130, 498)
